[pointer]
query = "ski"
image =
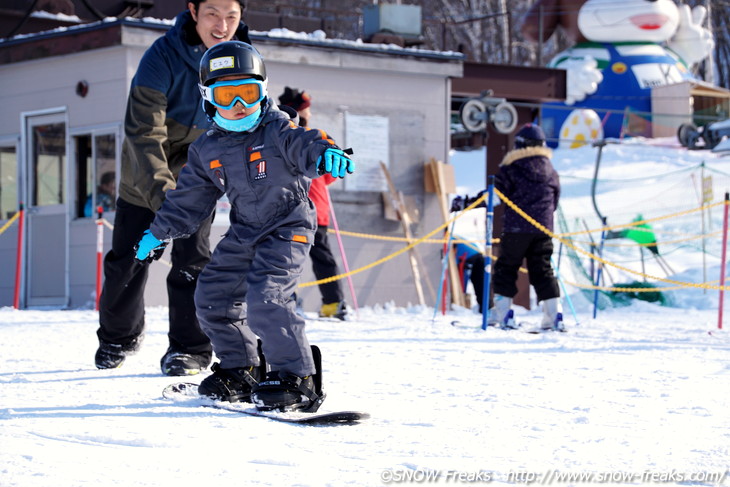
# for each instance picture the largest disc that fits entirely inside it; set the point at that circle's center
(183, 390)
(538, 330)
(522, 327)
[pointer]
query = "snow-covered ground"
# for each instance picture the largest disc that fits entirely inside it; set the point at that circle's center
(639, 391)
(637, 395)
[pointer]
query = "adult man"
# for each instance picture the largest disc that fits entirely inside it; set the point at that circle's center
(163, 118)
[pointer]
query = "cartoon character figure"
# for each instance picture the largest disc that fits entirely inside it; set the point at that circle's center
(623, 50)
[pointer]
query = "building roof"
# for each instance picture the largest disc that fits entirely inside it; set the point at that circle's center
(109, 32)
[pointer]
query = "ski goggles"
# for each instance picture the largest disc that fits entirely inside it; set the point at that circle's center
(225, 94)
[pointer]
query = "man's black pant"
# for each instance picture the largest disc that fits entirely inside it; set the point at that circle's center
(121, 306)
(537, 249)
(324, 265)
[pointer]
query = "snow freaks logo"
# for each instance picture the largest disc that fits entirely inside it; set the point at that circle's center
(550, 477)
(401, 476)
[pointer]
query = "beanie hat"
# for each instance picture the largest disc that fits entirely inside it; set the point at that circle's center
(292, 97)
(530, 135)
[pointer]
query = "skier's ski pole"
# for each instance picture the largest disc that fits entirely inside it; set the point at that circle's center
(342, 249)
(565, 291)
(488, 253)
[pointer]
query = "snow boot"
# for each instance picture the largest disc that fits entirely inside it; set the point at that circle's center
(552, 318)
(284, 391)
(501, 314)
(233, 384)
(334, 310)
(175, 363)
(230, 385)
(112, 355)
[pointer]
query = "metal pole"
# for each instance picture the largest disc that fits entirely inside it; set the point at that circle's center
(565, 291)
(702, 217)
(444, 266)
(722, 264)
(600, 144)
(99, 253)
(600, 270)
(19, 258)
(488, 252)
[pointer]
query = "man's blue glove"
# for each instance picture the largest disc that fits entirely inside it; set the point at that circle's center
(149, 248)
(335, 162)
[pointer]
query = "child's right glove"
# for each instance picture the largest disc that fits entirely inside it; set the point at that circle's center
(335, 162)
(149, 248)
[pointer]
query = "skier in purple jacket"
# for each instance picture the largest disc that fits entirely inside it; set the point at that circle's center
(527, 178)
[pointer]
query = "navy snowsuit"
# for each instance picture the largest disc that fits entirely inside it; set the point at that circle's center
(246, 289)
(527, 177)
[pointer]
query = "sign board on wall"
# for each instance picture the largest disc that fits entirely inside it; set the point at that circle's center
(368, 135)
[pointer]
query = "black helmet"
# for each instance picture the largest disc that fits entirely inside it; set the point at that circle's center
(231, 58)
(226, 59)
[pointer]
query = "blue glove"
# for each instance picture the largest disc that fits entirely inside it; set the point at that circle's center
(335, 162)
(149, 248)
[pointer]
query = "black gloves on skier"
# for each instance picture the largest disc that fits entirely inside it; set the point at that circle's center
(461, 202)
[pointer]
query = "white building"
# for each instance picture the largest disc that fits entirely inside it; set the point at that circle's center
(63, 99)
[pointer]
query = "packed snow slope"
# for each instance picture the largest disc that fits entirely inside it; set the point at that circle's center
(636, 392)
(635, 395)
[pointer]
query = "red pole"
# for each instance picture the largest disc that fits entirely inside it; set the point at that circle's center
(444, 281)
(19, 258)
(99, 252)
(722, 263)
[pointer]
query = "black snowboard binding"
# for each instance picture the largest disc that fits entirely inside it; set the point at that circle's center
(233, 385)
(281, 391)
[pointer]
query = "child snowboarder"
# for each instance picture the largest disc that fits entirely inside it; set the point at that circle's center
(264, 163)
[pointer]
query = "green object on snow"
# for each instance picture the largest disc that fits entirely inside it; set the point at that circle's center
(642, 234)
(625, 297)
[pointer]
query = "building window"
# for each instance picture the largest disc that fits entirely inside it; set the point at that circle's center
(49, 155)
(8, 182)
(96, 174)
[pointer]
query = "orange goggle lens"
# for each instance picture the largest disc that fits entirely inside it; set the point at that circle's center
(226, 93)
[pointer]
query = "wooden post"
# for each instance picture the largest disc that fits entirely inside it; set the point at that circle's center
(405, 219)
(457, 293)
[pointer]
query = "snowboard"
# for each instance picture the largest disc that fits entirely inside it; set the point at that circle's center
(190, 390)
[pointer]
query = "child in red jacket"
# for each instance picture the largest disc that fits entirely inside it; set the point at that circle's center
(323, 261)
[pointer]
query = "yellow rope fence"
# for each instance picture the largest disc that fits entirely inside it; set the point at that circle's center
(9, 222)
(562, 237)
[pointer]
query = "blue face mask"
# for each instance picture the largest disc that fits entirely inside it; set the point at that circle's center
(244, 124)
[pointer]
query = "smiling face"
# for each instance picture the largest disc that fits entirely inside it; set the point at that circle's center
(216, 20)
(635, 20)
